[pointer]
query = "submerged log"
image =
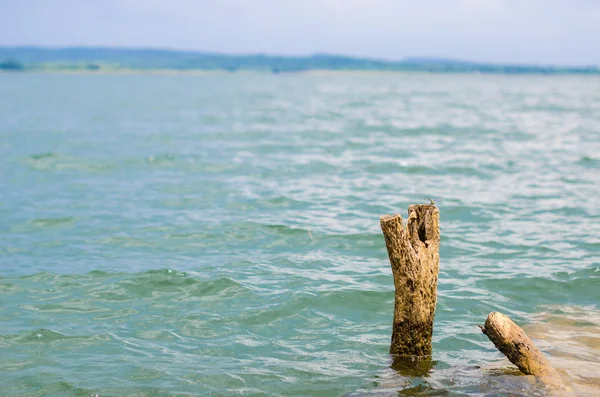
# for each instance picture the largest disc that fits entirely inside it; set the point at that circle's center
(414, 255)
(514, 343)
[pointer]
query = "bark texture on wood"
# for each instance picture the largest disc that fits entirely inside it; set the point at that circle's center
(414, 255)
(514, 343)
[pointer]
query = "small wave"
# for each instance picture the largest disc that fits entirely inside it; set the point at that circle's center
(42, 335)
(284, 230)
(176, 286)
(578, 287)
(51, 222)
(57, 388)
(282, 202)
(221, 288)
(152, 284)
(52, 161)
(588, 161)
(312, 306)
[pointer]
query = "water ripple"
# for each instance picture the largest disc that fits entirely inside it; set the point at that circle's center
(219, 234)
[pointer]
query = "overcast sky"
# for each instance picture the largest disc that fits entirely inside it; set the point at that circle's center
(511, 31)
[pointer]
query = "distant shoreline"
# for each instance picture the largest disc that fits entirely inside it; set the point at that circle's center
(313, 72)
(158, 61)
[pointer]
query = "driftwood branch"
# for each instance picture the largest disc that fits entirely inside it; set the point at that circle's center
(514, 343)
(414, 255)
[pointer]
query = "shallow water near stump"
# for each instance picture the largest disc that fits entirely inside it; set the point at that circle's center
(219, 234)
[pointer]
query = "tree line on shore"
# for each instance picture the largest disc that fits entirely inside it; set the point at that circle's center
(107, 59)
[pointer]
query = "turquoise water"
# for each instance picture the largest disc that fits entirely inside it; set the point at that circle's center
(172, 235)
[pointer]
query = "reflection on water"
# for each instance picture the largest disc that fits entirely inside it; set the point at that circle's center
(571, 337)
(412, 366)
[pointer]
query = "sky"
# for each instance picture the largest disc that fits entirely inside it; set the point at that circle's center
(559, 32)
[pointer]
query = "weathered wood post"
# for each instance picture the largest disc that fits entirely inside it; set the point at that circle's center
(514, 343)
(414, 255)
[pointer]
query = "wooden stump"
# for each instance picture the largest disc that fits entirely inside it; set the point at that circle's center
(414, 255)
(514, 343)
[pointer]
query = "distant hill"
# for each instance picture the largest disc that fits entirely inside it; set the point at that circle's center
(106, 58)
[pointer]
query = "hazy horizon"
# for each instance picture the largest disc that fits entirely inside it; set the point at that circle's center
(554, 32)
(290, 55)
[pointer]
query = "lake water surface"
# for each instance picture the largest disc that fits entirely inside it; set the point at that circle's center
(173, 235)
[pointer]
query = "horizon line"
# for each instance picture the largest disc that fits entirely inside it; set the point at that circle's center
(406, 59)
